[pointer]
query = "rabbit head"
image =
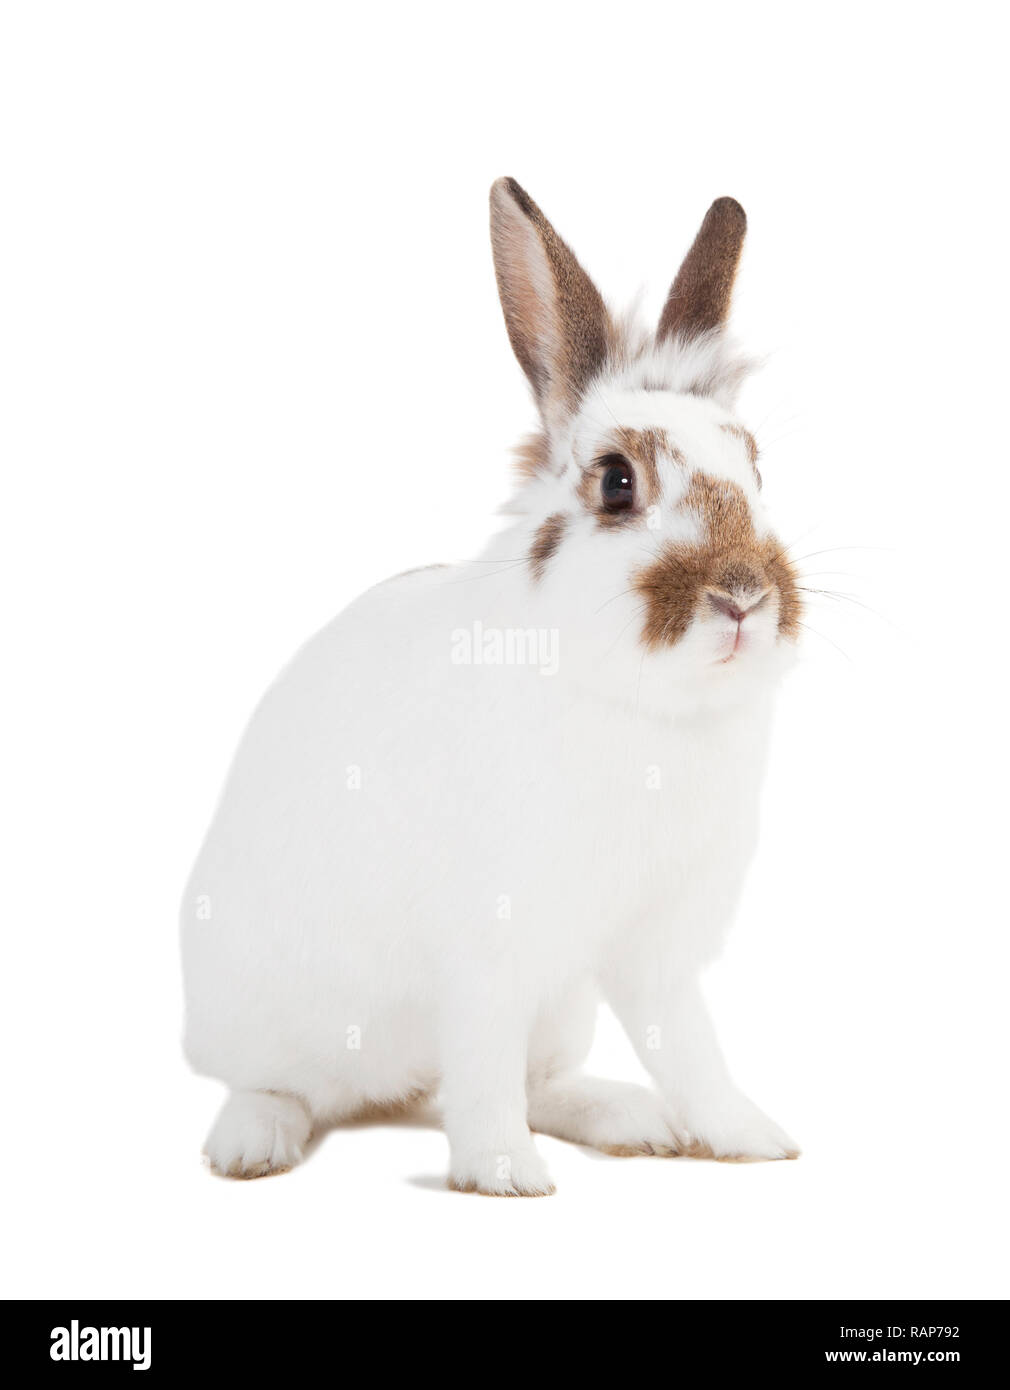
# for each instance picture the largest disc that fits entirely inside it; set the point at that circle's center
(642, 489)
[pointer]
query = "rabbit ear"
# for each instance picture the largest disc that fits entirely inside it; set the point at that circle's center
(699, 297)
(557, 323)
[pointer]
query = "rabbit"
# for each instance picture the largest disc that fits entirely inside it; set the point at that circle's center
(490, 795)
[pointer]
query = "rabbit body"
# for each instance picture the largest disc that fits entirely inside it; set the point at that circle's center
(479, 800)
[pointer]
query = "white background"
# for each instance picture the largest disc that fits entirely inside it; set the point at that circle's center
(253, 361)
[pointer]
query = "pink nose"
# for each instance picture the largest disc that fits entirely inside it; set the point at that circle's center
(722, 603)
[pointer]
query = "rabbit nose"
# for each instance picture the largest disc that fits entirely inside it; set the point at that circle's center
(737, 609)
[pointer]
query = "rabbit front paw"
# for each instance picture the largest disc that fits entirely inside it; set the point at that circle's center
(516, 1172)
(733, 1130)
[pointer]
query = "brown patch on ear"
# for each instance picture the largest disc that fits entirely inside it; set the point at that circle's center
(533, 456)
(557, 323)
(730, 556)
(700, 295)
(546, 541)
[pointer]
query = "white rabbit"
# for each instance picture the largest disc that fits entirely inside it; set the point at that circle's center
(485, 794)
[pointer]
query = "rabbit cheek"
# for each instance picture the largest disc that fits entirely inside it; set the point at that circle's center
(782, 575)
(671, 588)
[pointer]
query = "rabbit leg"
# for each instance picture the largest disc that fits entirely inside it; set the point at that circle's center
(483, 1097)
(615, 1117)
(666, 1018)
(562, 1033)
(258, 1133)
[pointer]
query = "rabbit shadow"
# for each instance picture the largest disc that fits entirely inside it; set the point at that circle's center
(415, 1113)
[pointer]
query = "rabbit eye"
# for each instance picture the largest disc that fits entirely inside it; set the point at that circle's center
(617, 486)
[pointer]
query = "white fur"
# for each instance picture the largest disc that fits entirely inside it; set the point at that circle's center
(421, 873)
(475, 802)
(257, 1133)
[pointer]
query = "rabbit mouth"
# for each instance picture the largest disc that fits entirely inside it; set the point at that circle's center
(733, 644)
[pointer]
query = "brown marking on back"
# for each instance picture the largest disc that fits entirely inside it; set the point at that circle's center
(546, 541)
(557, 322)
(642, 449)
(700, 296)
(730, 557)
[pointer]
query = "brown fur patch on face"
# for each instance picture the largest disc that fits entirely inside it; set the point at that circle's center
(533, 456)
(781, 573)
(745, 436)
(642, 449)
(700, 295)
(730, 558)
(749, 443)
(546, 541)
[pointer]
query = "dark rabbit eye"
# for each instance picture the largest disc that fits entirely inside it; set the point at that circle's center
(617, 486)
